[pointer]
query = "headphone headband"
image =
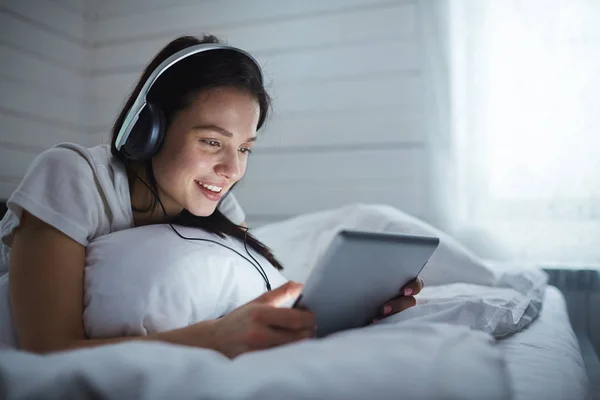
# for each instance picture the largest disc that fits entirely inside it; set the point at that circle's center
(140, 102)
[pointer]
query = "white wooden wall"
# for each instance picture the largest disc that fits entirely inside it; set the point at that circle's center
(347, 78)
(42, 72)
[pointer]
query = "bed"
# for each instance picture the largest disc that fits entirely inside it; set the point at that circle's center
(479, 331)
(544, 360)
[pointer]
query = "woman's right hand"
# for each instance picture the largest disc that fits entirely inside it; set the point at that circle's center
(261, 324)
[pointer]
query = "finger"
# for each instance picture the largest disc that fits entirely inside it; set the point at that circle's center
(421, 284)
(286, 318)
(397, 305)
(412, 288)
(283, 293)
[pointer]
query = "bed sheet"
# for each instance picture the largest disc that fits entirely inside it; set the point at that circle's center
(544, 360)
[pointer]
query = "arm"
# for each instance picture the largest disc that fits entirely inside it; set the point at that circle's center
(46, 293)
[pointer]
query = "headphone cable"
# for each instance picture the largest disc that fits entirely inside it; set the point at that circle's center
(259, 269)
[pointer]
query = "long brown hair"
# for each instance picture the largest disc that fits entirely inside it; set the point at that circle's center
(171, 92)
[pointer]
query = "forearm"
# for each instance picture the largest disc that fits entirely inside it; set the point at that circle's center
(200, 337)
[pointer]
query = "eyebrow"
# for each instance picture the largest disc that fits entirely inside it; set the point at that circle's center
(218, 129)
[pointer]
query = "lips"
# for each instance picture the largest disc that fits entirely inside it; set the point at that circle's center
(209, 194)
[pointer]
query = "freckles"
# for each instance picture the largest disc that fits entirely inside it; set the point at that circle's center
(198, 163)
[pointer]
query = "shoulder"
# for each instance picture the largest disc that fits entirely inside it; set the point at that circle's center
(76, 166)
(66, 187)
(70, 156)
(67, 167)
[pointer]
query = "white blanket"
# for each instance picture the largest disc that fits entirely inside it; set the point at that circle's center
(461, 288)
(497, 311)
(433, 350)
(416, 361)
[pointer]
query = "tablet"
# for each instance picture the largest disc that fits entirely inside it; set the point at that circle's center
(360, 272)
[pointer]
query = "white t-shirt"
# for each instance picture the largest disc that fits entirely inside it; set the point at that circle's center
(82, 192)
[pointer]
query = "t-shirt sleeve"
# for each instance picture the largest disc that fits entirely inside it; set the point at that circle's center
(232, 209)
(60, 189)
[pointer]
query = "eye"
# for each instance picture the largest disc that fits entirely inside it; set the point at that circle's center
(245, 150)
(212, 143)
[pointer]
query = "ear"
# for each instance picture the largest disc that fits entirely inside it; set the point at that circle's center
(147, 135)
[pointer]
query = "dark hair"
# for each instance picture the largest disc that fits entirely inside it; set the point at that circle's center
(172, 92)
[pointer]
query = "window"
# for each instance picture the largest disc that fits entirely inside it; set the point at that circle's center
(526, 106)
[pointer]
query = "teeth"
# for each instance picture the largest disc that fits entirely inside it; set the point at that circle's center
(212, 188)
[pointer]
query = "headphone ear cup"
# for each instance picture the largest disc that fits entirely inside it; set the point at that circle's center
(147, 134)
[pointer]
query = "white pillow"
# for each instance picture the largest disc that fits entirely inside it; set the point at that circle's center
(300, 242)
(148, 279)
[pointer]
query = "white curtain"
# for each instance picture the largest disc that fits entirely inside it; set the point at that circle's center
(525, 127)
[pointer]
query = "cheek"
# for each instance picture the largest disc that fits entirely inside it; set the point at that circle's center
(175, 171)
(244, 165)
(194, 166)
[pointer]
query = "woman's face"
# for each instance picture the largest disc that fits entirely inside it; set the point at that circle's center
(206, 150)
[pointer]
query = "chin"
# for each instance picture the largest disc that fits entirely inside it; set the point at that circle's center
(201, 210)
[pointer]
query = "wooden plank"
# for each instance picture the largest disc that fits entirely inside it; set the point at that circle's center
(289, 184)
(293, 199)
(396, 92)
(356, 59)
(37, 42)
(35, 134)
(49, 16)
(77, 7)
(391, 23)
(40, 73)
(97, 138)
(14, 163)
(342, 129)
(27, 100)
(147, 21)
(337, 62)
(402, 92)
(7, 186)
(331, 166)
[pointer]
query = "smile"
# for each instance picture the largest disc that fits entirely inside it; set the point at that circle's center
(216, 189)
(211, 192)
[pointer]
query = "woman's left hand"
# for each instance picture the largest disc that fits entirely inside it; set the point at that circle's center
(404, 300)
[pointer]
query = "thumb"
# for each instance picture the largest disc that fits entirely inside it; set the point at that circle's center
(275, 297)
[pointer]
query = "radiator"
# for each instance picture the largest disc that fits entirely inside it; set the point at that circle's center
(581, 288)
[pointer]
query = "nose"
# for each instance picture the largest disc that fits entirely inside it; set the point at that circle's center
(229, 166)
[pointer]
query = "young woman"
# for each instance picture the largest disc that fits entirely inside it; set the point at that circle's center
(210, 106)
